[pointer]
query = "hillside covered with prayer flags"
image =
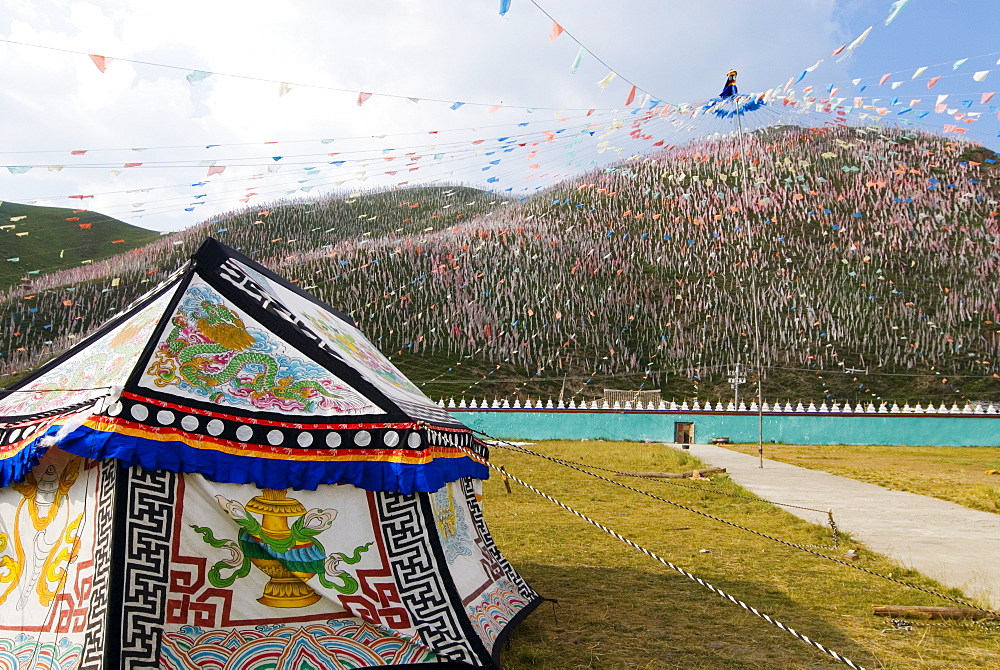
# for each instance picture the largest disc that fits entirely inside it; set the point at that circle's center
(872, 252)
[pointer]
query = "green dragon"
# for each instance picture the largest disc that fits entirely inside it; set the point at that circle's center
(178, 360)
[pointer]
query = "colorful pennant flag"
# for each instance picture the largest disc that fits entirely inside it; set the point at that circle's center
(101, 62)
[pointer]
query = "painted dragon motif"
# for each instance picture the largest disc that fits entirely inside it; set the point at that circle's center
(210, 349)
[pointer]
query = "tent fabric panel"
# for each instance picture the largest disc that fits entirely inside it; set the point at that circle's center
(207, 563)
(213, 351)
(496, 608)
(70, 384)
(99, 361)
(351, 345)
(59, 518)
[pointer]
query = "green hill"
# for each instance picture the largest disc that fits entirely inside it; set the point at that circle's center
(39, 240)
(852, 263)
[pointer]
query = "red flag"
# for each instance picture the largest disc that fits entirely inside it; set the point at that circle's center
(631, 96)
(85, 226)
(101, 62)
(215, 169)
(73, 218)
(555, 32)
(363, 98)
(884, 78)
(932, 81)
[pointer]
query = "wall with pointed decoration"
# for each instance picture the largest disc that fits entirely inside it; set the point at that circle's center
(971, 425)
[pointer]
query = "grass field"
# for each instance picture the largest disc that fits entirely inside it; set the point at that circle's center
(619, 609)
(957, 474)
(46, 239)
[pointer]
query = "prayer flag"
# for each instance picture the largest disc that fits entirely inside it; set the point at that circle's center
(894, 11)
(196, 76)
(101, 62)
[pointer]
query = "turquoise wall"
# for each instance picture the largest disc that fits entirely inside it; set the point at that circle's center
(960, 430)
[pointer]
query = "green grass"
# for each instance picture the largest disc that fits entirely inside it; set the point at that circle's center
(53, 243)
(956, 474)
(619, 609)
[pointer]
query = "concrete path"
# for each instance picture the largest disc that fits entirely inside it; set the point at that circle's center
(955, 545)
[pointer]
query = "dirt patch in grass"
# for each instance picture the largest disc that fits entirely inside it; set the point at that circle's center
(619, 609)
(957, 474)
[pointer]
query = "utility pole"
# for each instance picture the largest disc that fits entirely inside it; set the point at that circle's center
(735, 379)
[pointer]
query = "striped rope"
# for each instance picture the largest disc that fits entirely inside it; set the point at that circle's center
(800, 547)
(656, 557)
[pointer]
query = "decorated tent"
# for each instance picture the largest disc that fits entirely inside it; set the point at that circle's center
(229, 475)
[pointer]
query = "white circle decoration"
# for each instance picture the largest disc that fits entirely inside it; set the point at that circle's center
(413, 440)
(215, 427)
(304, 439)
(139, 412)
(165, 417)
(362, 438)
(15, 434)
(391, 438)
(275, 437)
(333, 439)
(189, 423)
(115, 409)
(244, 433)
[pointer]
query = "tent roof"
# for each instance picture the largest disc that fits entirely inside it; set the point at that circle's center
(228, 370)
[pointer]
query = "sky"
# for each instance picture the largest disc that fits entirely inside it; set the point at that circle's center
(299, 68)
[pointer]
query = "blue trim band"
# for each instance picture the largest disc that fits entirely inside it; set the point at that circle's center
(176, 456)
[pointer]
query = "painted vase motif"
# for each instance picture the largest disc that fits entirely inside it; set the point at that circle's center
(290, 555)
